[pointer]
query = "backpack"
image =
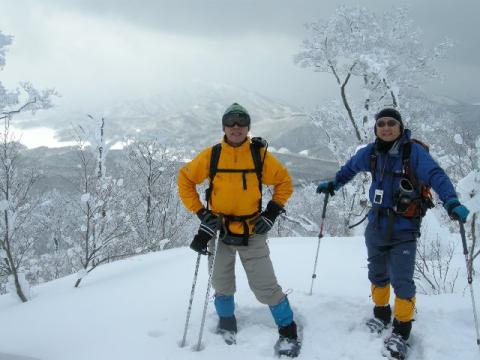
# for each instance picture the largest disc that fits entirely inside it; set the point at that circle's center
(255, 146)
(418, 206)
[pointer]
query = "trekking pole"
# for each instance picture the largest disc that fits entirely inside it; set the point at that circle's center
(210, 273)
(320, 235)
(469, 277)
(190, 302)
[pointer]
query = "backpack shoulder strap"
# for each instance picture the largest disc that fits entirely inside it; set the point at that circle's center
(255, 148)
(373, 161)
(406, 164)
(407, 167)
(421, 143)
(214, 158)
(257, 160)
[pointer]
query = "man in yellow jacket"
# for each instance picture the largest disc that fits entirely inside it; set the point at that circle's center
(235, 193)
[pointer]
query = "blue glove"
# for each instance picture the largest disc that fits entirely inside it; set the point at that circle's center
(267, 218)
(328, 187)
(456, 210)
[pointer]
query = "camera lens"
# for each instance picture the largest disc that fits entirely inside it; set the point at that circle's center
(406, 186)
(403, 203)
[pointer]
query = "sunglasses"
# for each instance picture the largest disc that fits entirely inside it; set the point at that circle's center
(389, 123)
(240, 120)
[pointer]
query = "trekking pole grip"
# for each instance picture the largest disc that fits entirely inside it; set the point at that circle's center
(465, 252)
(464, 239)
(324, 211)
(325, 202)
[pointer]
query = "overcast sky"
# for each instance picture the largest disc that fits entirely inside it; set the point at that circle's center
(93, 51)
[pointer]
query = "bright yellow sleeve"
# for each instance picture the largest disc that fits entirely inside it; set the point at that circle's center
(274, 173)
(190, 175)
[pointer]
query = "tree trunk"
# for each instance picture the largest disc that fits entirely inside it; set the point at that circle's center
(18, 287)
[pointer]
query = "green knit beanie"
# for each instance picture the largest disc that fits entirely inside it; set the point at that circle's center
(236, 109)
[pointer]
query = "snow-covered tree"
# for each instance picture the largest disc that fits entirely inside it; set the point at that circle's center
(435, 270)
(469, 190)
(16, 203)
(16, 206)
(56, 218)
(101, 233)
(25, 97)
(158, 217)
(383, 52)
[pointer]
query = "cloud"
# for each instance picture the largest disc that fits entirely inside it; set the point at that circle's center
(95, 51)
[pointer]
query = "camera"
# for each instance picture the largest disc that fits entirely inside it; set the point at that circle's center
(405, 196)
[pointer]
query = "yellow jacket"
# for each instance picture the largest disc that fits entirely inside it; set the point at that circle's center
(228, 195)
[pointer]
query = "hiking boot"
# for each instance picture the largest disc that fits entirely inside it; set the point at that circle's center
(382, 316)
(402, 328)
(227, 327)
(288, 343)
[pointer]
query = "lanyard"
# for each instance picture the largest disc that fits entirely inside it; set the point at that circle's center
(382, 173)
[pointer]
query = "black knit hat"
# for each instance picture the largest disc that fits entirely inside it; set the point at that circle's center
(389, 112)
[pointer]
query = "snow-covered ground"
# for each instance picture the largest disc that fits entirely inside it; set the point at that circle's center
(135, 309)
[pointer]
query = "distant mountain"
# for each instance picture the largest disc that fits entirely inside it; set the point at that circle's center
(467, 114)
(192, 117)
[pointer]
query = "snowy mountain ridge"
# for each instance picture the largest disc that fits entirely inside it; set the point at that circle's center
(190, 116)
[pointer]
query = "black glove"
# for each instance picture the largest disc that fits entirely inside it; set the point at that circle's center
(207, 229)
(267, 218)
(209, 223)
(199, 243)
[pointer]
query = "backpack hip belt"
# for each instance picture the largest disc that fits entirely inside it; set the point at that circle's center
(230, 238)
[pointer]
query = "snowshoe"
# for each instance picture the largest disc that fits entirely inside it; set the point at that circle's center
(382, 316)
(376, 325)
(288, 343)
(229, 337)
(287, 347)
(395, 347)
(227, 327)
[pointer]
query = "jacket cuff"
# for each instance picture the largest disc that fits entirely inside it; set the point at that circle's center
(337, 184)
(450, 204)
(273, 209)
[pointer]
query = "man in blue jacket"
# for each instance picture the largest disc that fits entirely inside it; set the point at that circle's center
(401, 170)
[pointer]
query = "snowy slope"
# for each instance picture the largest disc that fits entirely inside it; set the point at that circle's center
(135, 309)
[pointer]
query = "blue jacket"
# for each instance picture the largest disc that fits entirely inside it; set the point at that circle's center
(426, 170)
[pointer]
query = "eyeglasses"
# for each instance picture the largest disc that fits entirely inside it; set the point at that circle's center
(240, 120)
(389, 123)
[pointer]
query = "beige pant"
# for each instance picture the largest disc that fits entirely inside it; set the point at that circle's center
(257, 264)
